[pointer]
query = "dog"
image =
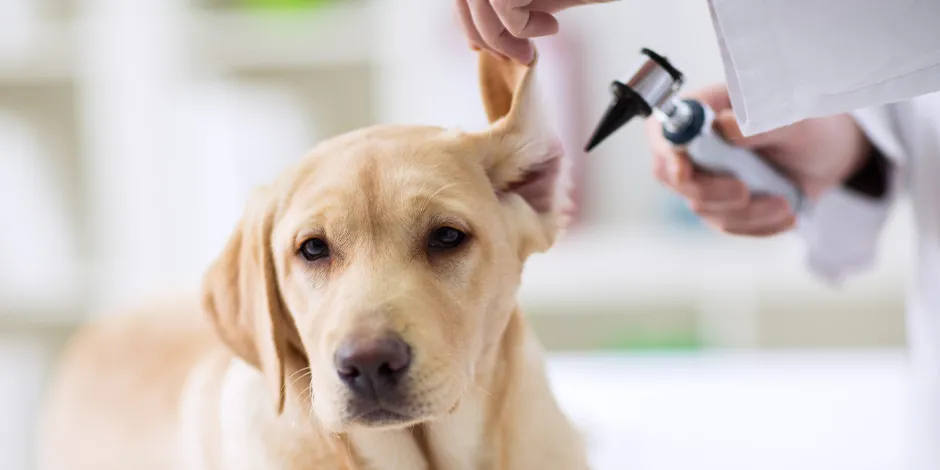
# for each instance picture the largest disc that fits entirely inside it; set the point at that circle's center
(362, 315)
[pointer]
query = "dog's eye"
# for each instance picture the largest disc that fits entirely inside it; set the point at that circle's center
(445, 238)
(314, 249)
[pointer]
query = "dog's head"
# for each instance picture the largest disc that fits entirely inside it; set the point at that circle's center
(387, 261)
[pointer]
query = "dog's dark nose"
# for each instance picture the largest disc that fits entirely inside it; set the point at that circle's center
(373, 365)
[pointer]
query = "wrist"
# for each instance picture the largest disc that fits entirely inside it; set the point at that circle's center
(869, 176)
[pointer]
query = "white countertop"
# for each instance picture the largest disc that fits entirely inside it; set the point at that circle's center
(805, 411)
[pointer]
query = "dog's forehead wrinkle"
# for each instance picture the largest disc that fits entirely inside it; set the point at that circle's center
(389, 166)
(409, 198)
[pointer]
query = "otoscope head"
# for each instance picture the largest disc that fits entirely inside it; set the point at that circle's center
(652, 86)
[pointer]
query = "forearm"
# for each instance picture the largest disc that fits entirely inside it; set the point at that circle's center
(843, 227)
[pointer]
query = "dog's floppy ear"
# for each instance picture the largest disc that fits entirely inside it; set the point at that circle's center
(242, 297)
(525, 159)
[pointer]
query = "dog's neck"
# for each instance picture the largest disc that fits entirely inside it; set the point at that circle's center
(474, 435)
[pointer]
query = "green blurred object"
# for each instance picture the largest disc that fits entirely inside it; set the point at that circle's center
(286, 4)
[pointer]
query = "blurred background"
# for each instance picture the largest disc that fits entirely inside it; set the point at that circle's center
(131, 132)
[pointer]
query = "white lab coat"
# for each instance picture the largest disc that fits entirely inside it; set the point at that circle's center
(787, 60)
(841, 236)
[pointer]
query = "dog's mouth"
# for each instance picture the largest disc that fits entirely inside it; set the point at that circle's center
(383, 417)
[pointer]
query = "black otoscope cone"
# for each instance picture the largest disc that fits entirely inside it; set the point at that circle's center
(625, 106)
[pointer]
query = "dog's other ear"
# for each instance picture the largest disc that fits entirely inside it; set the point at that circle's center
(525, 160)
(242, 298)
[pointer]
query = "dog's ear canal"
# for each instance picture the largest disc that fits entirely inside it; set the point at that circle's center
(525, 157)
(242, 298)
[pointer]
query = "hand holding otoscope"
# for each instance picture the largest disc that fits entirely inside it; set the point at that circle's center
(749, 186)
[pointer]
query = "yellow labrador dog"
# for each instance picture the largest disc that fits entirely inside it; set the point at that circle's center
(362, 316)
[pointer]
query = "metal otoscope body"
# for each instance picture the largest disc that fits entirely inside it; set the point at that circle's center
(652, 89)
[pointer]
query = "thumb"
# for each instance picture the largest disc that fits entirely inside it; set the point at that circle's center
(715, 96)
(726, 124)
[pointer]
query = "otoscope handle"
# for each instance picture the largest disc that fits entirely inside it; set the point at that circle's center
(711, 153)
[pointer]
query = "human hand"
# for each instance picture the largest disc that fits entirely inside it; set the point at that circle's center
(816, 154)
(505, 27)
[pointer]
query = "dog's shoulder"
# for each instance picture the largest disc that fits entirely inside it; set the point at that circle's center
(128, 362)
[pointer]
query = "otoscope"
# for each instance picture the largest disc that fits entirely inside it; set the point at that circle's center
(687, 124)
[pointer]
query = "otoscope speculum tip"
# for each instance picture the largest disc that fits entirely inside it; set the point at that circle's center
(652, 85)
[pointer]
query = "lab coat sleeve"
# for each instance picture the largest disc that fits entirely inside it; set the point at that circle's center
(841, 231)
(788, 60)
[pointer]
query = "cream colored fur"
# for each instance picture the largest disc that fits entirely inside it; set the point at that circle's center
(244, 378)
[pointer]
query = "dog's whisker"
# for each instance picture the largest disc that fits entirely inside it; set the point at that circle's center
(470, 386)
(471, 382)
(480, 388)
(298, 371)
(298, 379)
(294, 377)
(349, 451)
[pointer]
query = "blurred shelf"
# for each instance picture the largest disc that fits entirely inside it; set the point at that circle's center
(606, 267)
(49, 56)
(330, 36)
(61, 301)
(54, 311)
(337, 35)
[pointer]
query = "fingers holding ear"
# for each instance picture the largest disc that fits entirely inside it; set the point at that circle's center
(498, 39)
(521, 21)
(538, 24)
(504, 27)
(469, 29)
